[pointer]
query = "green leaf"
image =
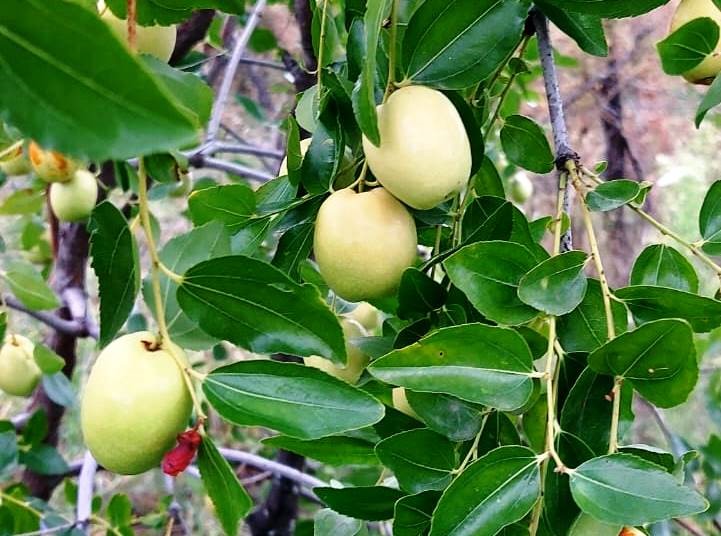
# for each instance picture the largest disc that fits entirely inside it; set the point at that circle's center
(688, 46)
(120, 511)
(180, 253)
(8, 448)
(321, 161)
(44, 460)
(454, 418)
(487, 218)
(586, 30)
(413, 514)
(625, 489)
(585, 328)
(658, 358)
(711, 99)
(473, 129)
(585, 525)
(329, 523)
(29, 287)
(526, 145)
(256, 306)
(709, 220)
(612, 195)
(69, 100)
(23, 201)
(418, 294)
(663, 266)
(487, 181)
(364, 99)
(168, 12)
(333, 450)
(488, 273)
(59, 389)
(649, 303)
(372, 503)
(295, 400)
(293, 248)
(48, 361)
(455, 44)
(484, 364)
(115, 261)
(556, 286)
(496, 490)
(230, 499)
(609, 8)
(231, 204)
(421, 460)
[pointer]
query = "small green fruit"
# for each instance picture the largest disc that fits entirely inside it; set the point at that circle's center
(51, 166)
(424, 157)
(158, 41)
(19, 374)
(134, 404)
(357, 360)
(74, 200)
(688, 10)
(520, 188)
(363, 243)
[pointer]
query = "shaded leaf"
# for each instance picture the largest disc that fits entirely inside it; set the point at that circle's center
(333, 450)
(526, 145)
(689, 45)
(372, 503)
(29, 287)
(664, 266)
(612, 195)
(556, 286)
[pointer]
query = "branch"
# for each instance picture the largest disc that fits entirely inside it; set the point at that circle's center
(232, 67)
(68, 327)
(241, 148)
(555, 110)
(85, 492)
(264, 63)
(190, 33)
(201, 161)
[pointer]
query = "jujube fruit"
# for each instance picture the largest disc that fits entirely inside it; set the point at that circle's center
(135, 403)
(357, 360)
(15, 163)
(158, 41)
(688, 10)
(74, 200)
(424, 155)
(19, 374)
(520, 188)
(363, 243)
(366, 315)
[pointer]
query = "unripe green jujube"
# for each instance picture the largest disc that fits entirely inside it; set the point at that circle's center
(74, 200)
(19, 374)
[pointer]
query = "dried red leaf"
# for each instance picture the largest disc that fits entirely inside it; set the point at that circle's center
(178, 459)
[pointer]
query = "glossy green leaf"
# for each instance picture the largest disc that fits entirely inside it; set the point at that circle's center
(649, 303)
(477, 363)
(487, 218)
(44, 460)
(295, 400)
(421, 460)
(293, 248)
(329, 523)
(231, 204)
(586, 525)
(256, 306)
(496, 490)
(180, 253)
(488, 273)
(418, 294)
(230, 499)
(586, 30)
(324, 154)
(372, 503)
(29, 287)
(364, 98)
(526, 145)
(658, 358)
(612, 195)
(688, 46)
(23, 201)
(456, 419)
(333, 450)
(473, 129)
(115, 260)
(609, 8)
(67, 99)
(487, 181)
(585, 328)
(48, 361)
(556, 286)
(663, 266)
(625, 489)
(413, 514)
(711, 99)
(453, 45)
(709, 220)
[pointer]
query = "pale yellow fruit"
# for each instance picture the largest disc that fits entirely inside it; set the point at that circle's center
(400, 402)
(424, 155)
(520, 188)
(19, 374)
(15, 163)
(134, 404)
(363, 243)
(688, 10)
(51, 166)
(631, 531)
(366, 315)
(357, 360)
(158, 41)
(74, 200)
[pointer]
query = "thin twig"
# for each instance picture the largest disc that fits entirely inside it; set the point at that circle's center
(68, 327)
(201, 161)
(690, 527)
(232, 67)
(84, 509)
(241, 148)
(264, 63)
(238, 456)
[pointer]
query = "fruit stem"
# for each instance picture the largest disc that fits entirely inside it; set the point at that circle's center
(474, 448)
(132, 24)
(155, 268)
(607, 297)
